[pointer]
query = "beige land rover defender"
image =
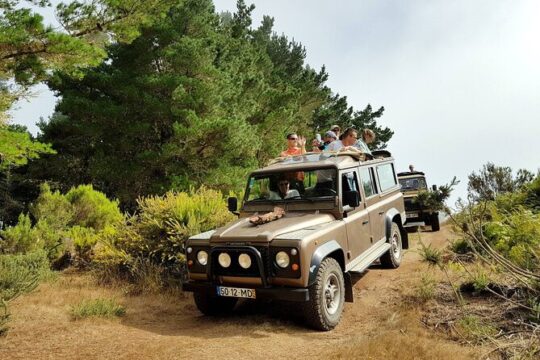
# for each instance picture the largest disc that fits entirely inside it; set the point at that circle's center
(305, 224)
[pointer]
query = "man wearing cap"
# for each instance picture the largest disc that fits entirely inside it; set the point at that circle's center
(328, 138)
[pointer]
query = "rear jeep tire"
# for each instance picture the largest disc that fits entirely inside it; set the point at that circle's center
(212, 305)
(435, 225)
(392, 258)
(326, 297)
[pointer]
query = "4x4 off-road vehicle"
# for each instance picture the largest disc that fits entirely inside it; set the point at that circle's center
(305, 224)
(412, 182)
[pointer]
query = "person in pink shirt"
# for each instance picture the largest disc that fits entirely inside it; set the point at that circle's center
(296, 145)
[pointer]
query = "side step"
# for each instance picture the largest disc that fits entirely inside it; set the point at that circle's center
(365, 260)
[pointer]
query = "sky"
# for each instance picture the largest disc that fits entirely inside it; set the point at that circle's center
(459, 80)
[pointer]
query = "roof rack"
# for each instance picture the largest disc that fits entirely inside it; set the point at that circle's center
(405, 173)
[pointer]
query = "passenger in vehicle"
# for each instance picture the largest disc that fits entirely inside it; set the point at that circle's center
(296, 145)
(284, 191)
(368, 137)
(328, 138)
(336, 130)
(349, 138)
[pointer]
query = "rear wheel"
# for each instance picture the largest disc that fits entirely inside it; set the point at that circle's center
(392, 258)
(213, 305)
(326, 297)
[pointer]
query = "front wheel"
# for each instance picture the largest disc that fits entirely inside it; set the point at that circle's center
(214, 305)
(435, 224)
(392, 258)
(326, 297)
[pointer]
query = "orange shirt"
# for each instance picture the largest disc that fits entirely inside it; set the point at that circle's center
(292, 152)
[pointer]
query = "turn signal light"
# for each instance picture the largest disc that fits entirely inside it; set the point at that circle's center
(294, 267)
(190, 263)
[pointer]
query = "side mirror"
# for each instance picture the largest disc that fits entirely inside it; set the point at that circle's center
(232, 204)
(351, 198)
(434, 187)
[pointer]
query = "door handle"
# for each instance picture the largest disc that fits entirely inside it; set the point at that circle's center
(381, 213)
(365, 222)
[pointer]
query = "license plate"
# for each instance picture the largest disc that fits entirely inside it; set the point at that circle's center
(411, 215)
(235, 292)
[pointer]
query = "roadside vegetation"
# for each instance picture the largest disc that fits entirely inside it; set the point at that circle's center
(488, 291)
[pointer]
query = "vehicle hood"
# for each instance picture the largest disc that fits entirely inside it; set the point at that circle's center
(242, 230)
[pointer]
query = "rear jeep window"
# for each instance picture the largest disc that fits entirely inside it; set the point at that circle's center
(387, 177)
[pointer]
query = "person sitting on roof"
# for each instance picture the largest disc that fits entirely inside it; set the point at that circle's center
(336, 130)
(349, 138)
(296, 145)
(368, 136)
(284, 192)
(328, 138)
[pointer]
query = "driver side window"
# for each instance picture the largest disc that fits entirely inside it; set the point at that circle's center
(349, 182)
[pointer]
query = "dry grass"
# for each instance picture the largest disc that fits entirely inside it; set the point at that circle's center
(380, 324)
(401, 337)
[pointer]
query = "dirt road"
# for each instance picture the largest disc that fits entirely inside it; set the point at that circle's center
(381, 323)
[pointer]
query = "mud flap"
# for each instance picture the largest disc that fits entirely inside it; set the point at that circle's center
(349, 297)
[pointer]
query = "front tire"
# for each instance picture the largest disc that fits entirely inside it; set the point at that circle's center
(326, 297)
(392, 258)
(213, 305)
(435, 225)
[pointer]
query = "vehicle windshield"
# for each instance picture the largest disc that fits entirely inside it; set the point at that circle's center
(292, 186)
(413, 183)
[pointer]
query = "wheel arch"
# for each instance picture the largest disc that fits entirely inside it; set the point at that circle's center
(329, 249)
(334, 250)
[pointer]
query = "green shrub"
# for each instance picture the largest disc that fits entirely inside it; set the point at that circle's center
(425, 291)
(460, 246)
(158, 232)
(92, 208)
(516, 236)
(83, 240)
(19, 238)
(475, 329)
(53, 209)
(97, 308)
(20, 274)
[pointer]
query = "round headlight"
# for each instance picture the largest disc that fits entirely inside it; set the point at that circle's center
(244, 260)
(224, 260)
(202, 257)
(282, 259)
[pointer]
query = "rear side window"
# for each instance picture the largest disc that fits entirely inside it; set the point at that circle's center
(387, 177)
(368, 183)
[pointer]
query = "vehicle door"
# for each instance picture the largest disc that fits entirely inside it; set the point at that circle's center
(357, 222)
(387, 185)
(373, 202)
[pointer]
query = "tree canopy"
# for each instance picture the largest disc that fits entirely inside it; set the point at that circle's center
(175, 100)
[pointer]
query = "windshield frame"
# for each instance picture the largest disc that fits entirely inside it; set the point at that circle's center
(296, 200)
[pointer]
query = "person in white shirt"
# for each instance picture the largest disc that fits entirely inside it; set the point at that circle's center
(346, 143)
(284, 192)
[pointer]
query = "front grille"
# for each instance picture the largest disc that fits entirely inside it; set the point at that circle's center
(411, 205)
(235, 269)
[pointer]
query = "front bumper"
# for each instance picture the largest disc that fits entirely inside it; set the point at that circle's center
(272, 293)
